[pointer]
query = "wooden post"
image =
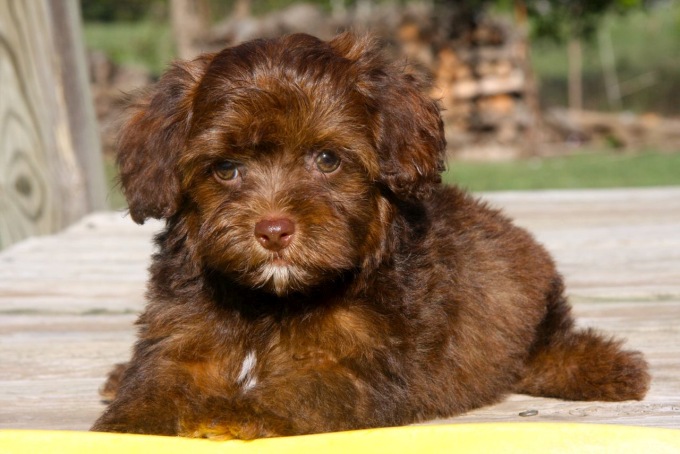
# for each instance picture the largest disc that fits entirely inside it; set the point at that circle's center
(531, 94)
(51, 171)
(575, 75)
(190, 22)
(608, 61)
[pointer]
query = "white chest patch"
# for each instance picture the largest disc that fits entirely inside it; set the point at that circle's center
(246, 376)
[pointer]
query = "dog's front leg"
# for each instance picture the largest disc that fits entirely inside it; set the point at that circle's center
(311, 398)
(141, 406)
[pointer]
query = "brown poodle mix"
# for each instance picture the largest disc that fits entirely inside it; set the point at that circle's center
(314, 274)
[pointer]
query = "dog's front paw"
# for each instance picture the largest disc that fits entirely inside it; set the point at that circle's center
(244, 430)
(220, 420)
(211, 431)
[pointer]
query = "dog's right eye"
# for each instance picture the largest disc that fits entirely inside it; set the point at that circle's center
(327, 161)
(226, 171)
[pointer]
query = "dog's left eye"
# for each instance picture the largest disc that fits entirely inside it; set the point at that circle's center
(327, 161)
(226, 171)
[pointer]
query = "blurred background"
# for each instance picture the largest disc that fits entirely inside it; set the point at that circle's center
(537, 94)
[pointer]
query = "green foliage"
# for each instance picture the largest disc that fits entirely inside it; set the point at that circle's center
(554, 19)
(597, 169)
(632, 36)
(559, 19)
(137, 10)
(119, 10)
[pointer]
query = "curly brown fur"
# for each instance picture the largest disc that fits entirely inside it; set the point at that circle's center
(314, 274)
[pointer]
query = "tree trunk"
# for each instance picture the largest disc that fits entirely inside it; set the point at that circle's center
(575, 75)
(190, 22)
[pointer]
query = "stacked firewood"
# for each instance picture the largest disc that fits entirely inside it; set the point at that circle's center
(481, 77)
(621, 130)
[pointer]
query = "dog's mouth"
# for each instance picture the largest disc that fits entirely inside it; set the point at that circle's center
(299, 267)
(278, 259)
(285, 272)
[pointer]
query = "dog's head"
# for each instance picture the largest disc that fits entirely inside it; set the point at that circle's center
(280, 155)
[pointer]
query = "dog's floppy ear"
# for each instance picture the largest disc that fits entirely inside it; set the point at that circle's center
(407, 125)
(151, 139)
(411, 139)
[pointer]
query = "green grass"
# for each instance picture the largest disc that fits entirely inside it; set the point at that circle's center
(584, 170)
(148, 44)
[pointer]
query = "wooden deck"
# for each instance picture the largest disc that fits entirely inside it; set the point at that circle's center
(68, 303)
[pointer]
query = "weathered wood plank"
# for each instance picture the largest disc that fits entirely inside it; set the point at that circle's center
(52, 367)
(98, 265)
(68, 303)
(51, 170)
(617, 243)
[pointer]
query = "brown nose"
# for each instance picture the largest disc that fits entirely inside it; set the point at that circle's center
(274, 234)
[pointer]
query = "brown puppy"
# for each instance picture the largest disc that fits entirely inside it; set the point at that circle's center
(314, 274)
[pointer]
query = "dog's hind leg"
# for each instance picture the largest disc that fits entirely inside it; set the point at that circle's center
(580, 364)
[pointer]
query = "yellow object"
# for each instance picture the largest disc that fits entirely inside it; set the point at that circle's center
(473, 438)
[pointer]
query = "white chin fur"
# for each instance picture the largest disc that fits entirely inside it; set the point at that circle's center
(280, 278)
